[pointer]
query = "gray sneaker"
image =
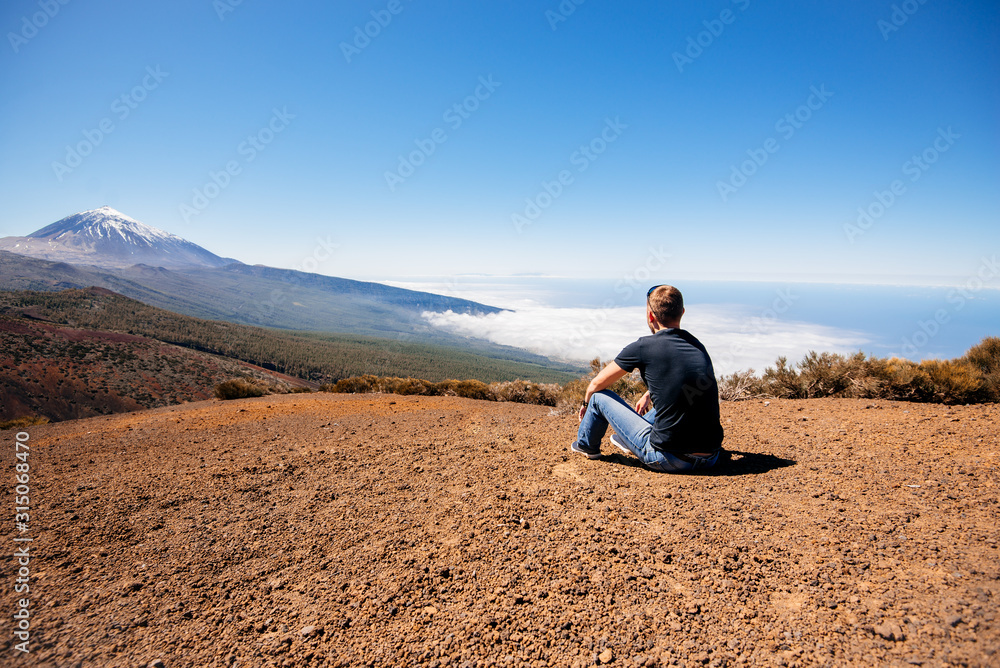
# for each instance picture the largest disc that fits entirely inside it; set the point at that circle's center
(620, 444)
(590, 455)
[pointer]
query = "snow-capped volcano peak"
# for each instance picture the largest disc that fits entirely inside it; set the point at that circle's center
(107, 237)
(105, 223)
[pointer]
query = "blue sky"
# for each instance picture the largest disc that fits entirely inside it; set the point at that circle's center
(738, 139)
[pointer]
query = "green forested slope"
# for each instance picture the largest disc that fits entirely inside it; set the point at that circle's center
(320, 357)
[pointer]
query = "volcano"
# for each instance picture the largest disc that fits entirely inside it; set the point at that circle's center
(108, 238)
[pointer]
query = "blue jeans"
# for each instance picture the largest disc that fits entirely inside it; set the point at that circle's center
(633, 430)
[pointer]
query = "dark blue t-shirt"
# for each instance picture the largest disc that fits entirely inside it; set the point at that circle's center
(678, 372)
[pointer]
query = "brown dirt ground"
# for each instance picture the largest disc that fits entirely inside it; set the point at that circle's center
(381, 530)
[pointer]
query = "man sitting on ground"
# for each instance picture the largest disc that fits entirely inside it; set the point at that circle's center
(675, 426)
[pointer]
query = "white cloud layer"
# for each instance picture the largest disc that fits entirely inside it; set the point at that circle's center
(735, 339)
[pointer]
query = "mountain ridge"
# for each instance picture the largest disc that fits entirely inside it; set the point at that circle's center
(260, 296)
(235, 292)
(75, 353)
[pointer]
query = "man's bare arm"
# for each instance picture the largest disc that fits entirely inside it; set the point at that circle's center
(602, 381)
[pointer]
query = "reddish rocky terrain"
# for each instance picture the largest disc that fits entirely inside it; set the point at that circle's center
(62, 373)
(381, 530)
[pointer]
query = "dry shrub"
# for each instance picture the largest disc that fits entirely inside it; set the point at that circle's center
(405, 386)
(23, 422)
(740, 386)
(470, 389)
(571, 397)
(973, 378)
(954, 381)
(520, 391)
(369, 383)
(353, 385)
(239, 388)
(630, 388)
(512, 390)
(903, 380)
(834, 375)
(985, 357)
(524, 392)
(822, 374)
(938, 381)
(854, 376)
(872, 383)
(783, 381)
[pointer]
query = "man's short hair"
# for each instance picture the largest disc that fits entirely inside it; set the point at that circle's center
(666, 303)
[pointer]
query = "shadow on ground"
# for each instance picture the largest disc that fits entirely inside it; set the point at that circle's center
(735, 463)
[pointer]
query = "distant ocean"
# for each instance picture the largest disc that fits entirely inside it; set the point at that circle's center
(743, 324)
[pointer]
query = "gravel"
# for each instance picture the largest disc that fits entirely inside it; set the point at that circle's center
(367, 530)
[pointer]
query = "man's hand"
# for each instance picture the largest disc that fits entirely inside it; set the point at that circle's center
(604, 379)
(644, 404)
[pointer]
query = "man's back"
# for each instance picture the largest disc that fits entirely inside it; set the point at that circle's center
(678, 372)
